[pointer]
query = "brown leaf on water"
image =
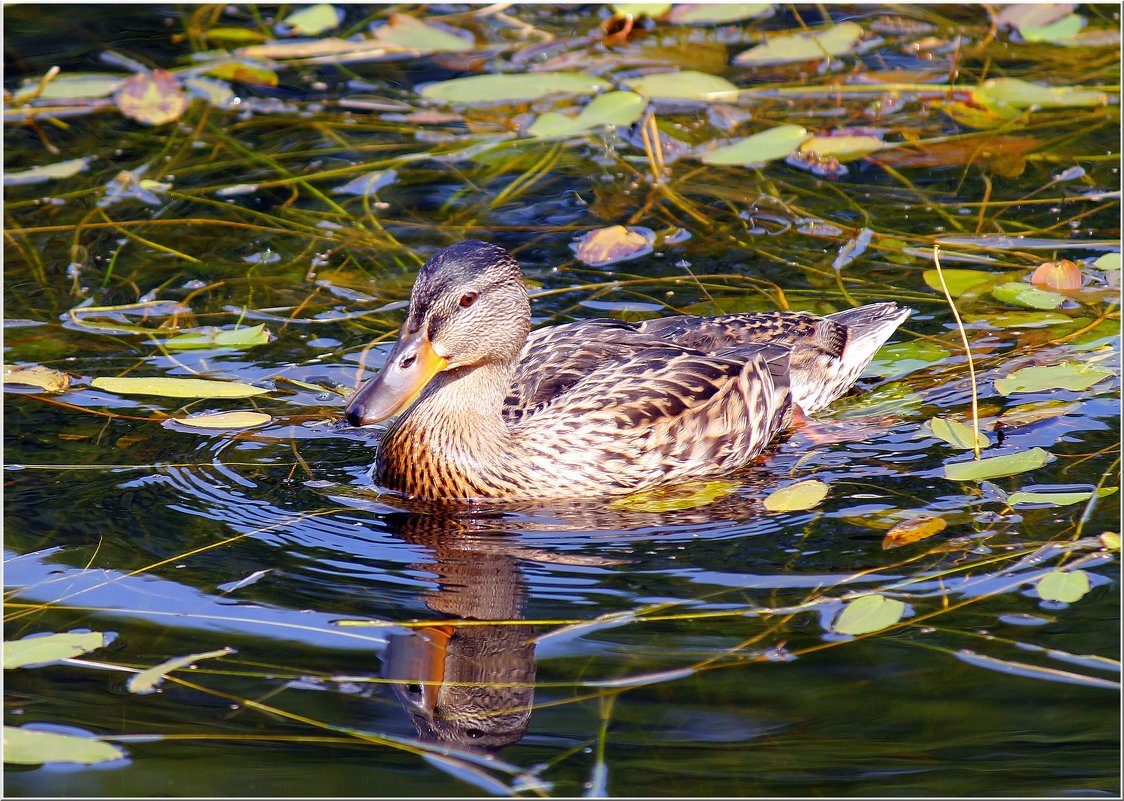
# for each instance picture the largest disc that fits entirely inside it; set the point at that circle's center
(1064, 274)
(913, 530)
(245, 72)
(603, 246)
(990, 153)
(152, 98)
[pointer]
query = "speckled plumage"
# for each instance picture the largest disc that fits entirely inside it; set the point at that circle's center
(602, 406)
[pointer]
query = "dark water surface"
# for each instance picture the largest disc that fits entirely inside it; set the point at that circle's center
(676, 645)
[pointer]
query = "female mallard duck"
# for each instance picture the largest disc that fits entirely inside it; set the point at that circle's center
(595, 406)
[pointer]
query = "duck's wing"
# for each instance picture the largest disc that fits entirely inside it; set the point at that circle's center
(828, 353)
(665, 414)
(556, 358)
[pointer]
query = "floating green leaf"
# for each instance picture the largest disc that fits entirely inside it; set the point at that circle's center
(36, 175)
(1063, 585)
(75, 86)
(1023, 94)
(868, 613)
(1057, 498)
(34, 375)
(413, 34)
(642, 9)
(772, 143)
(611, 108)
(1109, 261)
(177, 387)
(1111, 540)
(787, 48)
(844, 148)
(717, 13)
(997, 466)
(148, 680)
(1060, 31)
(225, 420)
(796, 497)
(210, 337)
(1067, 375)
(1020, 319)
(683, 85)
(902, 358)
(678, 497)
(217, 93)
(246, 72)
(314, 20)
(959, 281)
(1027, 295)
(955, 433)
(27, 747)
(51, 648)
(512, 87)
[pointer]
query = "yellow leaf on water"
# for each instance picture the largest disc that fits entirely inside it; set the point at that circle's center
(915, 530)
(34, 375)
(147, 680)
(30, 747)
(796, 497)
(178, 387)
(225, 420)
(603, 246)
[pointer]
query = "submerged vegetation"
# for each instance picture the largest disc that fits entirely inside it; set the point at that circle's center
(213, 217)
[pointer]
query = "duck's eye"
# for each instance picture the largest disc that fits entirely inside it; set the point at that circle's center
(468, 298)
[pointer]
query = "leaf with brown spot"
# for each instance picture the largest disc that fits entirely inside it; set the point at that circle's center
(984, 152)
(152, 98)
(245, 72)
(1064, 274)
(913, 530)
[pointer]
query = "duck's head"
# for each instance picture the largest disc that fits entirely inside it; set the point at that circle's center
(468, 309)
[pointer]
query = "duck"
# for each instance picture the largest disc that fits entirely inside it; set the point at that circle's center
(485, 408)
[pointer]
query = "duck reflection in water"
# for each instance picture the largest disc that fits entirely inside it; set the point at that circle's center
(467, 682)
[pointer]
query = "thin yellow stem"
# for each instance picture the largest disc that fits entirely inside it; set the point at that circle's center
(967, 352)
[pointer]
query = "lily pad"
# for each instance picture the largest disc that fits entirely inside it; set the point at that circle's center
(48, 172)
(35, 375)
(718, 13)
(1019, 319)
(796, 497)
(844, 148)
(1057, 498)
(1066, 586)
(75, 86)
(914, 530)
(683, 85)
(217, 93)
(152, 98)
(511, 87)
(249, 73)
(676, 498)
(1032, 297)
(611, 108)
(413, 34)
(787, 48)
(1068, 375)
(1018, 15)
(642, 9)
(902, 358)
(1059, 31)
(1023, 94)
(767, 145)
(225, 420)
(177, 387)
(1109, 261)
(604, 246)
(49, 648)
(997, 466)
(148, 680)
(313, 20)
(868, 613)
(955, 433)
(28, 747)
(242, 337)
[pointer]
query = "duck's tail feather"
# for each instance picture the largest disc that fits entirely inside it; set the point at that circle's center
(866, 329)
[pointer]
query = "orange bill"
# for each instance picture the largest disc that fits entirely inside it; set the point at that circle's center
(411, 366)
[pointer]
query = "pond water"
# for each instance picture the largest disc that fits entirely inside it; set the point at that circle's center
(683, 643)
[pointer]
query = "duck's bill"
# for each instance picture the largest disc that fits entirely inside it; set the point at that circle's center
(411, 366)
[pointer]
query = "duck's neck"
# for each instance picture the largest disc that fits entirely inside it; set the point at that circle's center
(453, 441)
